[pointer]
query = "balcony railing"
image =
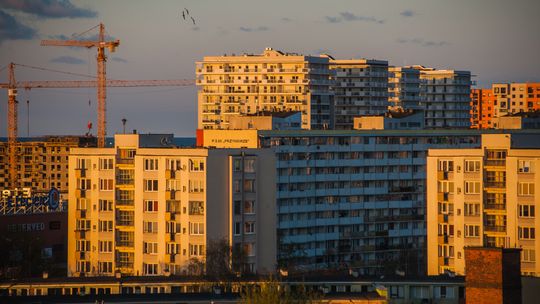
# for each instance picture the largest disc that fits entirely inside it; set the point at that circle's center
(495, 228)
(124, 181)
(495, 184)
(495, 206)
(495, 162)
(125, 202)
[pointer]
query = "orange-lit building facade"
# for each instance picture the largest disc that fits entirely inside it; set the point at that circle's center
(501, 100)
(481, 108)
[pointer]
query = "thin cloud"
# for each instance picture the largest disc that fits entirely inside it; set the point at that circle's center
(253, 29)
(49, 8)
(68, 60)
(348, 17)
(11, 29)
(119, 59)
(407, 13)
(423, 42)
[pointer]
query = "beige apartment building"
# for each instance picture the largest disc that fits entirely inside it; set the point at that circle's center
(145, 207)
(483, 197)
(361, 88)
(272, 81)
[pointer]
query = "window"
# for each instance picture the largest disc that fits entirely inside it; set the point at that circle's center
(526, 210)
(472, 231)
(249, 227)
(237, 230)
(526, 189)
(82, 204)
(396, 292)
(105, 226)
(105, 164)
(249, 165)
(196, 250)
(196, 186)
(472, 166)
(196, 228)
(471, 209)
(150, 269)
(446, 251)
(196, 165)
(237, 165)
(174, 185)
(105, 267)
(472, 187)
(525, 166)
(249, 185)
(249, 249)
(150, 185)
(105, 205)
(82, 245)
(105, 184)
(150, 227)
(150, 248)
(446, 165)
(526, 233)
(150, 206)
(446, 208)
(82, 266)
(84, 183)
(445, 186)
(196, 208)
(83, 163)
(105, 246)
(150, 164)
(528, 255)
(249, 207)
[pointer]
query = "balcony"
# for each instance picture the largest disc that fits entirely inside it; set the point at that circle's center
(125, 161)
(80, 172)
(124, 181)
(125, 202)
(494, 184)
(495, 206)
(196, 211)
(80, 193)
(489, 228)
(125, 244)
(495, 162)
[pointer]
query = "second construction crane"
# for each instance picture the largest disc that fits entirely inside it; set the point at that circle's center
(100, 44)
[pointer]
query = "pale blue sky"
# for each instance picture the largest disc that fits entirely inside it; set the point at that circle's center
(496, 40)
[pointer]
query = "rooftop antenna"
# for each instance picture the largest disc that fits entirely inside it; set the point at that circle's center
(28, 117)
(124, 120)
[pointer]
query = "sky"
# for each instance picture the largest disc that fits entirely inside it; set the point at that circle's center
(498, 41)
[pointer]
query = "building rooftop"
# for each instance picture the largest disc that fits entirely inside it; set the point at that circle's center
(282, 114)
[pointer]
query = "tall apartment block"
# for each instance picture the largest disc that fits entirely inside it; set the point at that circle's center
(482, 108)
(272, 81)
(41, 163)
(486, 197)
(446, 97)
(361, 88)
(143, 207)
(354, 199)
(404, 88)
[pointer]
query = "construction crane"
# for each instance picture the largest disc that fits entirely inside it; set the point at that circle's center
(101, 44)
(13, 86)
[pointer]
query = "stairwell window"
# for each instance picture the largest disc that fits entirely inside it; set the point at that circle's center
(472, 187)
(526, 211)
(150, 185)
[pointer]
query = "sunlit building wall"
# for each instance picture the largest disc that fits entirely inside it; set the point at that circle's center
(486, 196)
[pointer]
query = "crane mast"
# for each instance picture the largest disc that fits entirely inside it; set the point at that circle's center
(101, 44)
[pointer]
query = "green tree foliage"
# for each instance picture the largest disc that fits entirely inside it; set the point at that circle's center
(272, 292)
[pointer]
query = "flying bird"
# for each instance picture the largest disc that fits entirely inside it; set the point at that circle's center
(186, 10)
(184, 15)
(193, 20)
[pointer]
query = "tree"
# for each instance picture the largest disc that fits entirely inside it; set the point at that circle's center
(272, 292)
(218, 259)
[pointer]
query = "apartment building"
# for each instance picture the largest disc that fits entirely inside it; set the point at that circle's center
(404, 88)
(137, 208)
(484, 196)
(482, 108)
(272, 81)
(355, 199)
(446, 97)
(41, 162)
(513, 98)
(360, 88)
(143, 208)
